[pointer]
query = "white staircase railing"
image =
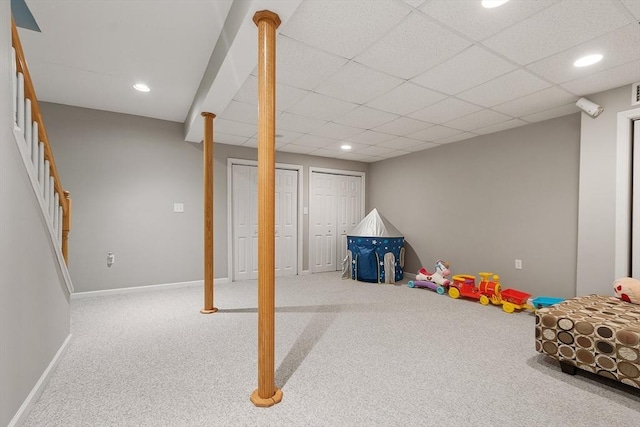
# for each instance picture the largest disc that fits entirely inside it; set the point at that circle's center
(28, 120)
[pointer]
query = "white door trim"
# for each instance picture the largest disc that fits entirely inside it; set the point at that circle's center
(312, 169)
(245, 162)
(623, 190)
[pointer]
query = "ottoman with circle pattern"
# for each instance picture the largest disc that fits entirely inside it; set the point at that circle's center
(599, 334)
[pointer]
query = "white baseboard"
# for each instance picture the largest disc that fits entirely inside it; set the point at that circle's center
(305, 272)
(37, 390)
(104, 292)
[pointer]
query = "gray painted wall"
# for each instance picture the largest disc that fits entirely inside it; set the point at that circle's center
(484, 202)
(34, 304)
(597, 209)
(124, 174)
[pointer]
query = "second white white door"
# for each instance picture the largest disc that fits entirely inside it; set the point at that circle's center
(335, 207)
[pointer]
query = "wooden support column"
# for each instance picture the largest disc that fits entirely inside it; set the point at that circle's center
(208, 213)
(266, 394)
(66, 227)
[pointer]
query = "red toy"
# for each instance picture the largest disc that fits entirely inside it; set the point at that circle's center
(488, 291)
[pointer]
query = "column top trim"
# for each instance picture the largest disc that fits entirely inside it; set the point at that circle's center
(207, 114)
(266, 14)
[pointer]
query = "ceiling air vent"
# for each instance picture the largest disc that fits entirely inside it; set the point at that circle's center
(635, 94)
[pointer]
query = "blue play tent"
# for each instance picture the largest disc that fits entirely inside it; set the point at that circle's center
(375, 251)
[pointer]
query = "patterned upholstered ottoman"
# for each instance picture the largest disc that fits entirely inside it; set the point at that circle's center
(596, 333)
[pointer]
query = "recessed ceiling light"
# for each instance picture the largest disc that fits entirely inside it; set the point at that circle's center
(141, 87)
(489, 4)
(345, 147)
(588, 60)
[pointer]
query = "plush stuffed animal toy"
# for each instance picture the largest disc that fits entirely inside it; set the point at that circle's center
(627, 289)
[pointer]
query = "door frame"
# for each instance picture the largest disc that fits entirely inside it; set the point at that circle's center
(244, 162)
(312, 169)
(623, 190)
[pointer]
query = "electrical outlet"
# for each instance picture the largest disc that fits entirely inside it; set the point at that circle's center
(111, 259)
(178, 207)
(518, 264)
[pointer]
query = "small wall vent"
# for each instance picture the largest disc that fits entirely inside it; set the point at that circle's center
(635, 94)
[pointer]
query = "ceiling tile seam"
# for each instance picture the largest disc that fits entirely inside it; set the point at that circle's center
(625, 10)
(383, 35)
(475, 41)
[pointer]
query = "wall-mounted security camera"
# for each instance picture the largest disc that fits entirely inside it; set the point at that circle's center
(591, 108)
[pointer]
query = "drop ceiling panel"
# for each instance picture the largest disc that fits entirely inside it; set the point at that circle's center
(455, 138)
(422, 146)
(406, 98)
(478, 120)
(376, 151)
(505, 88)
(401, 143)
(605, 80)
(295, 123)
(445, 111)
(356, 157)
(299, 149)
(414, 3)
(413, 47)
(468, 69)
(559, 27)
(315, 141)
(344, 30)
(337, 131)
(618, 47)
(287, 137)
(286, 95)
(433, 133)
(302, 66)
(356, 83)
(234, 128)
(633, 6)
(552, 113)
(321, 107)
(403, 126)
(470, 18)
(365, 118)
(241, 112)
(371, 137)
(223, 138)
(509, 124)
(536, 102)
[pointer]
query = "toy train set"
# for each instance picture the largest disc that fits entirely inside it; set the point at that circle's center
(488, 290)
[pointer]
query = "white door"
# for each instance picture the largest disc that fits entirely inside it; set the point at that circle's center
(286, 222)
(335, 207)
(245, 222)
(349, 211)
(635, 206)
(322, 222)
